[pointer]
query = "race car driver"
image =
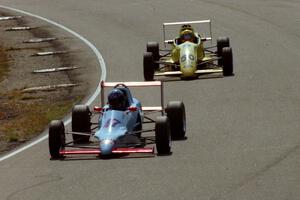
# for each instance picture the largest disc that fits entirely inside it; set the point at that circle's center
(187, 34)
(117, 100)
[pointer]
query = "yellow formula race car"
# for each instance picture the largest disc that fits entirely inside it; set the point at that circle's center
(188, 57)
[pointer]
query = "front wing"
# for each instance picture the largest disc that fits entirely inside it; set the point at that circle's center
(178, 73)
(149, 150)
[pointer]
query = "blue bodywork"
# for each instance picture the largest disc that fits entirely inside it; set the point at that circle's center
(116, 124)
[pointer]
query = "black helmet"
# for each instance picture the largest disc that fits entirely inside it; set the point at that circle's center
(116, 100)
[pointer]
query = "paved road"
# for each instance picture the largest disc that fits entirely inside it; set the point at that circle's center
(243, 131)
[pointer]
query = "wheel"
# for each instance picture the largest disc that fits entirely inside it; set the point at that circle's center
(153, 47)
(81, 122)
(56, 138)
(148, 66)
(227, 61)
(221, 43)
(176, 113)
(162, 135)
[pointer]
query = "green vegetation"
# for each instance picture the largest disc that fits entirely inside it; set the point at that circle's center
(22, 119)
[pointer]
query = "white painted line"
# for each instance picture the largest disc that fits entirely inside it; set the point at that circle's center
(9, 18)
(54, 69)
(49, 53)
(89, 101)
(39, 40)
(49, 87)
(19, 28)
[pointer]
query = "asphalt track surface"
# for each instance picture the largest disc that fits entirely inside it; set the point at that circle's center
(243, 131)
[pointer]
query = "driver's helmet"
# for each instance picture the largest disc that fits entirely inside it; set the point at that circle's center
(187, 33)
(116, 100)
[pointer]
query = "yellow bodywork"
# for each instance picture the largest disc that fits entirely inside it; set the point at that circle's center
(188, 55)
(175, 55)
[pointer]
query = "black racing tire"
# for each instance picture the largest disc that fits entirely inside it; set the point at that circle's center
(56, 138)
(227, 61)
(148, 66)
(153, 47)
(81, 122)
(221, 43)
(176, 113)
(162, 135)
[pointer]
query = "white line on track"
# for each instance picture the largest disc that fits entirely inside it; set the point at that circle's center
(89, 101)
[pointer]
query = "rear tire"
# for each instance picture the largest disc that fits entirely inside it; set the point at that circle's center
(221, 43)
(148, 66)
(227, 61)
(81, 122)
(153, 47)
(162, 135)
(56, 138)
(176, 113)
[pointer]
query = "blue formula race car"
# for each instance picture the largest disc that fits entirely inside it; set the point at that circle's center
(119, 125)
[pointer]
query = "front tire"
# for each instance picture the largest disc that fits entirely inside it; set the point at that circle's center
(227, 61)
(56, 138)
(162, 135)
(148, 66)
(176, 113)
(81, 122)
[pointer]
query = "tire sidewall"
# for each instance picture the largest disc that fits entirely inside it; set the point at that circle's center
(227, 61)
(221, 43)
(81, 122)
(153, 47)
(176, 113)
(162, 135)
(56, 138)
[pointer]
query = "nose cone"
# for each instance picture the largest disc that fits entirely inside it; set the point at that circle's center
(106, 147)
(188, 72)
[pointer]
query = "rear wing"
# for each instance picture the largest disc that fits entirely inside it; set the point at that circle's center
(137, 84)
(186, 22)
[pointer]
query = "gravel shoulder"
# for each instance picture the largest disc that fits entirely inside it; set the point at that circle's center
(24, 114)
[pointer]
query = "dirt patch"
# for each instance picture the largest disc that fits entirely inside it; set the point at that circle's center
(23, 115)
(3, 64)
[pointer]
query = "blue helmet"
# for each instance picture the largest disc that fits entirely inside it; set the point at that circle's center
(116, 100)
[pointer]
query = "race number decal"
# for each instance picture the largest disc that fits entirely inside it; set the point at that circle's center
(183, 58)
(191, 57)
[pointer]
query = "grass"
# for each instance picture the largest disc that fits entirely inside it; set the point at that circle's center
(21, 120)
(30, 119)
